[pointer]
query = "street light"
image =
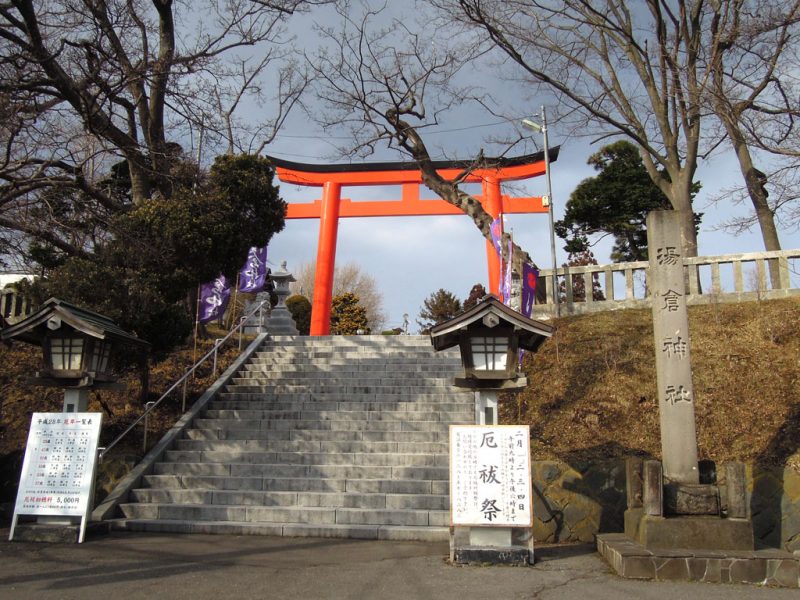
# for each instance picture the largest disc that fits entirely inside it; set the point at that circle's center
(543, 130)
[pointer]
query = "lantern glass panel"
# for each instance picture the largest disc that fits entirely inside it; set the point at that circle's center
(66, 353)
(489, 353)
(102, 350)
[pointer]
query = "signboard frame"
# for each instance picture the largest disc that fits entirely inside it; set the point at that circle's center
(483, 474)
(58, 471)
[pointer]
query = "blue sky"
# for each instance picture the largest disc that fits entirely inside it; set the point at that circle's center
(412, 257)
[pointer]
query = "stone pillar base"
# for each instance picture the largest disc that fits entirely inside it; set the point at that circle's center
(763, 567)
(694, 533)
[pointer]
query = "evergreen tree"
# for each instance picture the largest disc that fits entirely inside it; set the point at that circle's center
(615, 201)
(300, 307)
(145, 275)
(437, 308)
(582, 259)
(475, 294)
(348, 317)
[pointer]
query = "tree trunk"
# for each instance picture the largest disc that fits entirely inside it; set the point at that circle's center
(140, 182)
(754, 180)
(681, 200)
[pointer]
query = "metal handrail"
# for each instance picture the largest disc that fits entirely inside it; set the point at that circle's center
(150, 406)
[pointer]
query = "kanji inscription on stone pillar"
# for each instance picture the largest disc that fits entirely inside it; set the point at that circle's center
(673, 359)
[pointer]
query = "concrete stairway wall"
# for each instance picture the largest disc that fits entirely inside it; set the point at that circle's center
(332, 437)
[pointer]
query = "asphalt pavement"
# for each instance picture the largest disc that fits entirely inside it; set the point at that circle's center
(126, 566)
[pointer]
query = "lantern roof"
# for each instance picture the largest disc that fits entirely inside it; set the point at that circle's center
(55, 312)
(531, 333)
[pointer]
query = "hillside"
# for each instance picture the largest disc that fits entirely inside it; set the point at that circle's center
(18, 400)
(592, 389)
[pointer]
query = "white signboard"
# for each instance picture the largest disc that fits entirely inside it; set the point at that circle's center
(58, 470)
(490, 475)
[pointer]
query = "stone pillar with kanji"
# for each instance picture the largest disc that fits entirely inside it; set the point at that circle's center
(673, 353)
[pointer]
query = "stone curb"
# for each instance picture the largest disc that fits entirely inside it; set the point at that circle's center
(108, 507)
(773, 568)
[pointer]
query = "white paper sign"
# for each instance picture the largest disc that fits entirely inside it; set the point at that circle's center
(490, 475)
(58, 470)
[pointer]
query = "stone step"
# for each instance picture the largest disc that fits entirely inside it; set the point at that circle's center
(441, 396)
(383, 369)
(336, 437)
(370, 405)
(309, 446)
(310, 374)
(287, 514)
(303, 470)
(338, 357)
(324, 381)
(364, 532)
(292, 498)
(402, 363)
(331, 425)
(322, 388)
(364, 414)
(299, 484)
(234, 457)
(341, 353)
(331, 379)
(316, 435)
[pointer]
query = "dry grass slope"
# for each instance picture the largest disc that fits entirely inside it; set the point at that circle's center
(18, 400)
(592, 390)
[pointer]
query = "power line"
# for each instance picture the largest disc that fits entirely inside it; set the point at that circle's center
(431, 130)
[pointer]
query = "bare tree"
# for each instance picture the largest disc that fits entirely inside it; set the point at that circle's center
(616, 68)
(386, 83)
(131, 77)
(747, 47)
(347, 278)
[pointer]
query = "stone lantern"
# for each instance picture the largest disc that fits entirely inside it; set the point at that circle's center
(490, 336)
(77, 345)
(280, 320)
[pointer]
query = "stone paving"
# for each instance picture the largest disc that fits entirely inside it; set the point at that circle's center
(200, 567)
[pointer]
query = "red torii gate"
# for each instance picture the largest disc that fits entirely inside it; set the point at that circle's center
(332, 206)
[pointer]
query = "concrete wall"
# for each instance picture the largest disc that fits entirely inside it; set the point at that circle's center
(574, 502)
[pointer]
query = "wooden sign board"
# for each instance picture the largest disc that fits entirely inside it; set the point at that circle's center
(58, 470)
(490, 476)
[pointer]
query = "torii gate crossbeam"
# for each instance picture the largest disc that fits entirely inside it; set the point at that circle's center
(331, 207)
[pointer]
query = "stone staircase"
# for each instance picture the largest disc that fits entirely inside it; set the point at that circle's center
(325, 437)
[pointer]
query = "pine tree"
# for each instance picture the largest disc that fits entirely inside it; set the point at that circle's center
(437, 308)
(348, 317)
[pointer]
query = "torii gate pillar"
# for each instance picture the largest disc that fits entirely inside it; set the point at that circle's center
(492, 205)
(326, 259)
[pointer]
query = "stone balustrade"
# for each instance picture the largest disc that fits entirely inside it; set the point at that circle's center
(13, 306)
(709, 279)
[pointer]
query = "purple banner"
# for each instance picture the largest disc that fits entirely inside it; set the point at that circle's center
(254, 272)
(507, 278)
(530, 277)
(214, 298)
(496, 230)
